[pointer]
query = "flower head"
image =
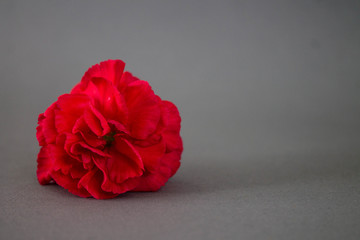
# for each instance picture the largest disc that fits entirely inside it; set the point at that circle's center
(110, 135)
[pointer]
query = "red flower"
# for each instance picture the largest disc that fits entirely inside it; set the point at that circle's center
(110, 135)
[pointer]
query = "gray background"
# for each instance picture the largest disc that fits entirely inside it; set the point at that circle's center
(269, 96)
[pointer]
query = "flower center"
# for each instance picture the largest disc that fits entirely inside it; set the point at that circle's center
(109, 138)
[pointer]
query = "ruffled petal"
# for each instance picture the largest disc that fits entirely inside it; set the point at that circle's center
(109, 185)
(122, 169)
(70, 184)
(86, 154)
(96, 122)
(111, 70)
(171, 160)
(171, 134)
(66, 141)
(170, 163)
(62, 161)
(46, 130)
(144, 109)
(126, 79)
(118, 127)
(125, 186)
(39, 130)
(45, 166)
(77, 170)
(125, 162)
(173, 119)
(106, 99)
(151, 155)
(69, 108)
(81, 128)
(92, 183)
(81, 147)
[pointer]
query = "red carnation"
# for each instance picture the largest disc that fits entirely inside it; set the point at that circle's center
(110, 135)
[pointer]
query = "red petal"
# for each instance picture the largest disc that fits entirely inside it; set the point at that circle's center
(66, 141)
(62, 161)
(39, 133)
(110, 186)
(169, 125)
(96, 122)
(46, 129)
(45, 164)
(77, 170)
(151, 155)
(173, 118)
(126, 79)
(92, 150)
(171, 134)
(106, 99)
(122, 169)
(111, 70)
(173, 142)
(118, 126)
(170, 163)
(144, 109)
(86, 154)
(69, 108)
(125, 162)
(69, 183)
(89, 137)
(92, 183)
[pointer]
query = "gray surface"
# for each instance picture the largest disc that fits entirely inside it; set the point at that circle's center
(269, 96)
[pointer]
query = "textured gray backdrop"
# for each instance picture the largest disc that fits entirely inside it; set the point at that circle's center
(269, 93)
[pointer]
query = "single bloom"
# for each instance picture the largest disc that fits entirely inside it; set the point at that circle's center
(111, 134)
